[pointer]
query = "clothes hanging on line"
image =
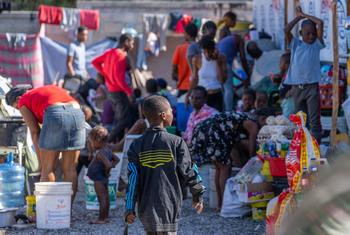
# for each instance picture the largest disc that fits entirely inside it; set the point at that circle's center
(50, 15)
(16, 39)
(69, 17)
(90, 19)
(174, 18)
(178, 21)
(182, 23)
(141, 61)
(158, 25)
(70, 22)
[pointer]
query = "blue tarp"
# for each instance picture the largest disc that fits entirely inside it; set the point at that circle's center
(54, 56)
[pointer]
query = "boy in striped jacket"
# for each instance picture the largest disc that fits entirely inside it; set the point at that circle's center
(159, 163)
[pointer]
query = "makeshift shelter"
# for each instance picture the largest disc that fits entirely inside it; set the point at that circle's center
(55, 55)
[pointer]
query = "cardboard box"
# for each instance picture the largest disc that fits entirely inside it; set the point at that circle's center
(251, 193)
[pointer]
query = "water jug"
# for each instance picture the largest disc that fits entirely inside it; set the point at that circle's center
(11, 184)
(252, 168)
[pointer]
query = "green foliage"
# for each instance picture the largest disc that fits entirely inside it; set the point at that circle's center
(30, 5)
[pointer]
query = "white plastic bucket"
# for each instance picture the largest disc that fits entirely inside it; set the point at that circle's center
(53, 204)
(213, 201)
(124, 168)
(91, 200)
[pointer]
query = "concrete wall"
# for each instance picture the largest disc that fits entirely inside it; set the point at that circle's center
(19, 22)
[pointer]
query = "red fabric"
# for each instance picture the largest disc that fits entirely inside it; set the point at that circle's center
(23, 64)
(39, 99)
(112, 65)
(184, 72)
(180, 26)
(50, 14)
(90, 19)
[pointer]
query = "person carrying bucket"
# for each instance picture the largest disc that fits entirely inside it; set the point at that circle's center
(99, 169)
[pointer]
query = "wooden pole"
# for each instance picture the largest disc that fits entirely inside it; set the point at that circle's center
(348, 58)
(285, 22)
(335, 73)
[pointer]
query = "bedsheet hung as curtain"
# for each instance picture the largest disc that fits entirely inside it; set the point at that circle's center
(55, 55)
(21, 59)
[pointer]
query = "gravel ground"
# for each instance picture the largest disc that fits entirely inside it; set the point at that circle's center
(190, 223)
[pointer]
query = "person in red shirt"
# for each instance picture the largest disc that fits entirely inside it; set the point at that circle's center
(181, 70)
(114, 66)
(56, 124)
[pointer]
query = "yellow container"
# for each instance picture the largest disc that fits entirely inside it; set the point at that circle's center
(259, 204)
(259, 210)
(242, 26)
(31, 205)
(266, 172)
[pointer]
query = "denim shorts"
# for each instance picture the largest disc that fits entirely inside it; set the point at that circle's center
(63, 128)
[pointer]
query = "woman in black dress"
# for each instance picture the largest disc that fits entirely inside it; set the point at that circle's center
(213, 140)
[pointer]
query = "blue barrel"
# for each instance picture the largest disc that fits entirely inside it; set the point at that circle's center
(11, 184)
(182, 115)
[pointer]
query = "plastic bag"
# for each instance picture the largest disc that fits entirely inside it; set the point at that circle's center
(346, 108)
(303, 149)
(288, 107)
(231, 206)
(249, 170)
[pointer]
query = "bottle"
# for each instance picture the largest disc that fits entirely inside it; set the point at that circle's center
(272, 149)
(247, 173)
(11, 184)
(284, 149)
(266, 151)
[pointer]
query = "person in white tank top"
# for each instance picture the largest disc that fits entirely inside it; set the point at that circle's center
(209, 71)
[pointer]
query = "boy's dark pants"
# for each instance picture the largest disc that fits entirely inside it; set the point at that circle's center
(307, 99)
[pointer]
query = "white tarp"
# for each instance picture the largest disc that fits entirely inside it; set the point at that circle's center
(268, 16)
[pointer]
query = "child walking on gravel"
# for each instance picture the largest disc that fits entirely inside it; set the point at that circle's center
(159, 163)
(99, 169)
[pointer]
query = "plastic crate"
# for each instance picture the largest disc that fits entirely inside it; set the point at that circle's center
(279, 184)
(277, 167)
(326, 95)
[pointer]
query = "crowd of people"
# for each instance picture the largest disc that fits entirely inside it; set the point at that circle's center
(221, 129)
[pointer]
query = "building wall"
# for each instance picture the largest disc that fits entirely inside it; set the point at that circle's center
(116, 15)
(19, 22)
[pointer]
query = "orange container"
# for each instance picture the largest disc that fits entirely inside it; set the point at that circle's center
(326, 94)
